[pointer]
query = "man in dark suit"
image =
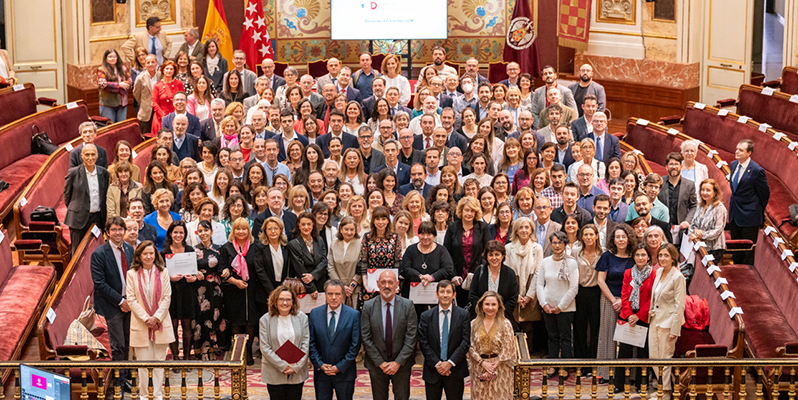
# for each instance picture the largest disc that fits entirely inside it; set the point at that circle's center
(444, 336)
(417, 181)
(564, 155)
(334, 344)
(85, 191)
(344, 87)
(348, 141)
(179, 100)
(88, 132)
(325, 108)
(268, 73)
(513, 75)
(210, 127)
(643, 207)
(109, 264)
(582, 126)
(135, 210)
(453, 138)
(749, 197)
(391, 151)
(607, 146)
(388, 325)
(287, 134)
(436, 84)
(678, 194)
(276, 202)
(184, 145)
(378, 90)
(392, 96)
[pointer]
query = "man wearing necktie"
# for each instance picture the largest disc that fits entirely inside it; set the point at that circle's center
(152, 39)
(388, 326)
(109, 265)
(334, 344)
(749, 197)
(444, 336)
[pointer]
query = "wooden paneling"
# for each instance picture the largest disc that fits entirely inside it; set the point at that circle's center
(92, 98)
(626, 100)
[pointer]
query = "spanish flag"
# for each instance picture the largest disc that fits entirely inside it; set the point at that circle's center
(216, 28)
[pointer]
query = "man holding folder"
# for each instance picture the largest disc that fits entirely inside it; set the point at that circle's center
(334, 344)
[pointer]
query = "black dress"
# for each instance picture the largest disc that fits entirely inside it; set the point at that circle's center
(184, 294)
(210, 330)
(240, 304)
(305, 262)
(437, 263)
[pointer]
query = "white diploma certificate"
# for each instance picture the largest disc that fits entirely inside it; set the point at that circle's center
(421, 294)
(632, 335)
(373, 276)
(306, 302)
(182, 264)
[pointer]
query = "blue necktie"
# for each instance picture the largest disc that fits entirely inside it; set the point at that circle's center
(445, 336)
(736, 178)
(331, 326)
(599, 148)
(152, 49)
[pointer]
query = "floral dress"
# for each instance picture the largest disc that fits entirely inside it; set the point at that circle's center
(210, 329)
(382, 253)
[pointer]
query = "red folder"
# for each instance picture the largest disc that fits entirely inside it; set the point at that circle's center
(289, 353)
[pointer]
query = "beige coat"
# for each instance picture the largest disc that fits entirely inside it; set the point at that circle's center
(139, 334)
(142, 92)
(112, 207)
(140, 40)
(9, 65)
(667, 303)
(343, 266)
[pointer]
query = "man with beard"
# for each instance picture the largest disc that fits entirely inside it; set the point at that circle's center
(554, 113)
(505, 127)
(642, 206)
(567, 114)
(585, 87)
(540, 99)
(678, 194)
(438, 58)
(417, 176)
(564, 155)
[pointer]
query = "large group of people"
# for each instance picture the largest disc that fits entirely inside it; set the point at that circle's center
(516, 203)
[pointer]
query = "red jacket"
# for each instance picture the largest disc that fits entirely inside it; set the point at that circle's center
(645, 295)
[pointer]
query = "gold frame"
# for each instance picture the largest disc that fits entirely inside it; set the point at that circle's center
(164, 21)
(619, 21)
(675, 14)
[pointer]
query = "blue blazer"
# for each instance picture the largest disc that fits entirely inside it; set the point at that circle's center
(107, 282)
(352, 94)
(750, 197)
(400, 107)
(429, 340)
(456, 139)
(282, 155)
(193, 123)
(349, 141)
(190, 148)
(340, 350)
(402, 172)
(444, 100)
(406, 188)
(568, 158)
(579, 129)
(612, 147)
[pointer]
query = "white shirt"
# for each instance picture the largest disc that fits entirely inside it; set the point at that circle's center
(118, 256)
(94, 190)
(415, 126)
(337, 315)
(285, 329)
(401, 83)
(191, 47)
(286, 142)
(277, 263)
(602, 233)
(589, 125)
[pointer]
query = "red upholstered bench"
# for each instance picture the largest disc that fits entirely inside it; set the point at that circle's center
(17, 165)
(23, 292)
(780, 163)
(19, 101)
(46, 189)
(142, 159)
(789, 80)
(775, 109)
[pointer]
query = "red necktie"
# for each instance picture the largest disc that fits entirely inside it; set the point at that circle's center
(327, 116)
(343, 91)
(124, 261)
(428, 144)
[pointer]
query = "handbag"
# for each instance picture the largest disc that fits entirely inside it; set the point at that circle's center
(44, 214)
(295, 285)
(86, 316)
(466, 285)
(40, 143)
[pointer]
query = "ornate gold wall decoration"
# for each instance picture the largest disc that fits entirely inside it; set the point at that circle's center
(616, 11)
(164, 9)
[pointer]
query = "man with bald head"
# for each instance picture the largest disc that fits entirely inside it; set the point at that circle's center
(85, 190)
(587, 190)
(525, 121)
(183, 144)
(274, 80)
(513, 75)
(306, 84)
(586, 86)
(180, 101)
(328, 92)
(607, 146)
(333, 69)
(388, 326)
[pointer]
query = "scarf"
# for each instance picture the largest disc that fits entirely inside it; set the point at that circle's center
(151, 298)
(239, 263)
(525, 266)
(212, 64)
(638, 277)
(229, 141)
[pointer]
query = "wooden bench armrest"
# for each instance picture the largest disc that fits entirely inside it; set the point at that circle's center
(726, 103)
(47, 101)
(775, 84)
(670, 120)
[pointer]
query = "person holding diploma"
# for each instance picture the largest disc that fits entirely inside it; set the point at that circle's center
(149, 294)
(635, 303)
(425, 262)
(184, 308)
(380, 246)
(334, 344)
(444, 336)
(343, 257)
(284, 327)
(666, 313)
(238, 261)
(210, 300)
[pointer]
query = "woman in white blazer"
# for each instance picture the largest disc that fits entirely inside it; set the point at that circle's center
(282, 323)
(691, 169)
(666, 314)
(149, 295)
(343, 258)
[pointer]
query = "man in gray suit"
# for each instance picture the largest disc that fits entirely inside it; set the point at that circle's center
(544, 226)
(678, 194)
(549, 76)
(388, 328)
(85, 190)
(333, 69)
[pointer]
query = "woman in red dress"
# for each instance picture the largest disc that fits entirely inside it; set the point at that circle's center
(162, 94)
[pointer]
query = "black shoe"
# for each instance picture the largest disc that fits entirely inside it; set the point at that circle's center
(126, 387)
(586, 373)
(603, 381)
(250, 362)
(618, 390)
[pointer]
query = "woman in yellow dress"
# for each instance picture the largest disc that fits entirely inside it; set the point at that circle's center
(492, 355)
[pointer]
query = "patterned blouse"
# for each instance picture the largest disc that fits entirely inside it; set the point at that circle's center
(382, 253)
